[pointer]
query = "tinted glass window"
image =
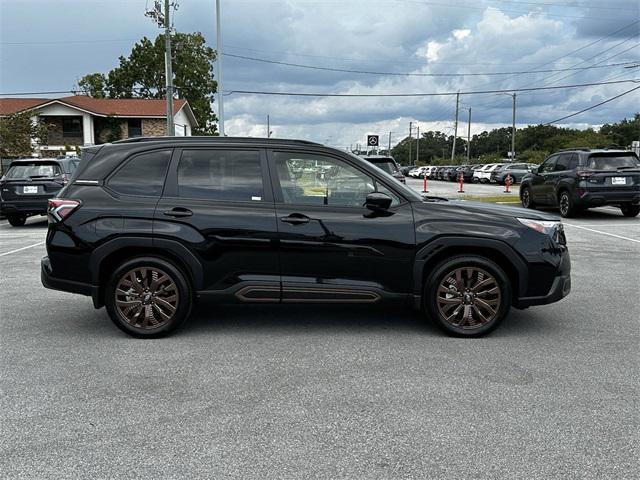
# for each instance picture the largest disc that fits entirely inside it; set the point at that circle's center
(612, 162)
(34, 170)
(387, 166)
(573, 162)
(308, 179)
(232, 175)
(563, 163)
(142, 175)
(548, 165)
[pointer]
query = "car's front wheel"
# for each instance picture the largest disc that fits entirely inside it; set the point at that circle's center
(630, 210)
(148, 297)
(17, 220)
(526, 198)
(467, 296)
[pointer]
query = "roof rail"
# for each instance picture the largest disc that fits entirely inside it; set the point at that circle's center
(216, 139)
(582, 149)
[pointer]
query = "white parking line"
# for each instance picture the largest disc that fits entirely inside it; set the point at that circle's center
(603, 233)
(20, 249)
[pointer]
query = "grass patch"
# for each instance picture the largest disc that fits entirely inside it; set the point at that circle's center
(508, 199)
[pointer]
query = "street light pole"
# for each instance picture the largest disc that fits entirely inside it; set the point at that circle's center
(410, 139)
(513, 131)
(455, 128)
(219, 70)
(268, 127)
(417, 144)
(469, 137)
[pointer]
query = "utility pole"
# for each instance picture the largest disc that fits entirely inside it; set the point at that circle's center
(513, 131)
(455, 128)
(469, 138)
(219, 70)
(410, 139)
(390, 143)
(418, 145)
(163, 19)
(268, 127)
(171, 129)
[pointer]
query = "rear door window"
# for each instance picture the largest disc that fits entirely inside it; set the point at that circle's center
(142, 175)
(563, 163)
(230, 175)
(611, 162)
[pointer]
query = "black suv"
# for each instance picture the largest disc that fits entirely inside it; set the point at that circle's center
(578, 179)
(147, 226)
(388, 164)
(29, 183)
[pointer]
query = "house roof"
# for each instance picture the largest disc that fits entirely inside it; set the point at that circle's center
(118, 107)
(14, 105)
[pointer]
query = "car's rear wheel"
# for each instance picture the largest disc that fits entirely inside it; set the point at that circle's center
(526, 198)
(148, 297)
(565, 203)
(17, 220)
(630, 210)
(467, 296)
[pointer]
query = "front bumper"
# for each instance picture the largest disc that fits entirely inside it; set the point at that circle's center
(560, 288)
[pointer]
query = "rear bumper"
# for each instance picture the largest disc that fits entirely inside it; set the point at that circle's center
(54, 283)
(616, 197)
(23, 207)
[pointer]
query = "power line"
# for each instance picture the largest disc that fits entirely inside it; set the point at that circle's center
(431, 94)
(413, 74)
(593, 106)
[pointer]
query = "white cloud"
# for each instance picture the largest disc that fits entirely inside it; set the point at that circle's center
(461, 34)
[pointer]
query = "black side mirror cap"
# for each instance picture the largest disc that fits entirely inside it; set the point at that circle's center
(534, 170)
(377, 201)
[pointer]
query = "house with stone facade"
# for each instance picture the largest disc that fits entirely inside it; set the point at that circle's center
(80, 120)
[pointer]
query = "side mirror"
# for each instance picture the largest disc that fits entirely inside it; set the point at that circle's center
(534, 170)
(377, 201)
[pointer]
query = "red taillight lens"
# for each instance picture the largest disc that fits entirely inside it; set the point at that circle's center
(60, 209)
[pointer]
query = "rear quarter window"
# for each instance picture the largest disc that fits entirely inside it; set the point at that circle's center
(143, 174)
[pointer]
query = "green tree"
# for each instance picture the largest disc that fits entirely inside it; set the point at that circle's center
(19, 135)
(142, 75)
(624, 132)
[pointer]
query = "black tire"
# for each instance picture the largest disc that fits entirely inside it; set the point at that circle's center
(175, 290)
(476, 323)
(16, 220)
(630, 210)
(566, 205)
(526, 198)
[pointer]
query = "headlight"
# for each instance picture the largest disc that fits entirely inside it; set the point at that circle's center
(542, 226)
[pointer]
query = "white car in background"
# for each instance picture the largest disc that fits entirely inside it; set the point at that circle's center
(483, 175)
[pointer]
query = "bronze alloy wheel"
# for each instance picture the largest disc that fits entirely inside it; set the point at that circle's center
(468, 298)
(146, 297)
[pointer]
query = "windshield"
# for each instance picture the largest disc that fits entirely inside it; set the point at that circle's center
(612, 162)
(33, 170)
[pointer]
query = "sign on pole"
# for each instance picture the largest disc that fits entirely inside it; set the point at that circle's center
(372, 140)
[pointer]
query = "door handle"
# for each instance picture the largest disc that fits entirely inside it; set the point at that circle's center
(295, 219)
(178, 212)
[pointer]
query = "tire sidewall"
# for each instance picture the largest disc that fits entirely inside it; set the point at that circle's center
(528, 190)
(433, 281)
(178, 277)
(570, 208)
(17, 220)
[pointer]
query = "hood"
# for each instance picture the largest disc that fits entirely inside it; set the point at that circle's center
(496, 210)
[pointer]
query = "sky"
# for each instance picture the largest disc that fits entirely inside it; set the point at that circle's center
(47, 45)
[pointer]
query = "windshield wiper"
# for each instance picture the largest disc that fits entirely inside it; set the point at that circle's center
(628, 167)
(37, 176)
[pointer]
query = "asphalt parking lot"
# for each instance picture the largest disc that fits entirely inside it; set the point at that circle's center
(324, 392)
(450, 189)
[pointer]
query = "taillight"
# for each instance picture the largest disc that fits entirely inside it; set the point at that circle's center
(585, 173)
(60, 209)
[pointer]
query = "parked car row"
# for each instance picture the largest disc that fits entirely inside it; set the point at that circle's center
(485, 173)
